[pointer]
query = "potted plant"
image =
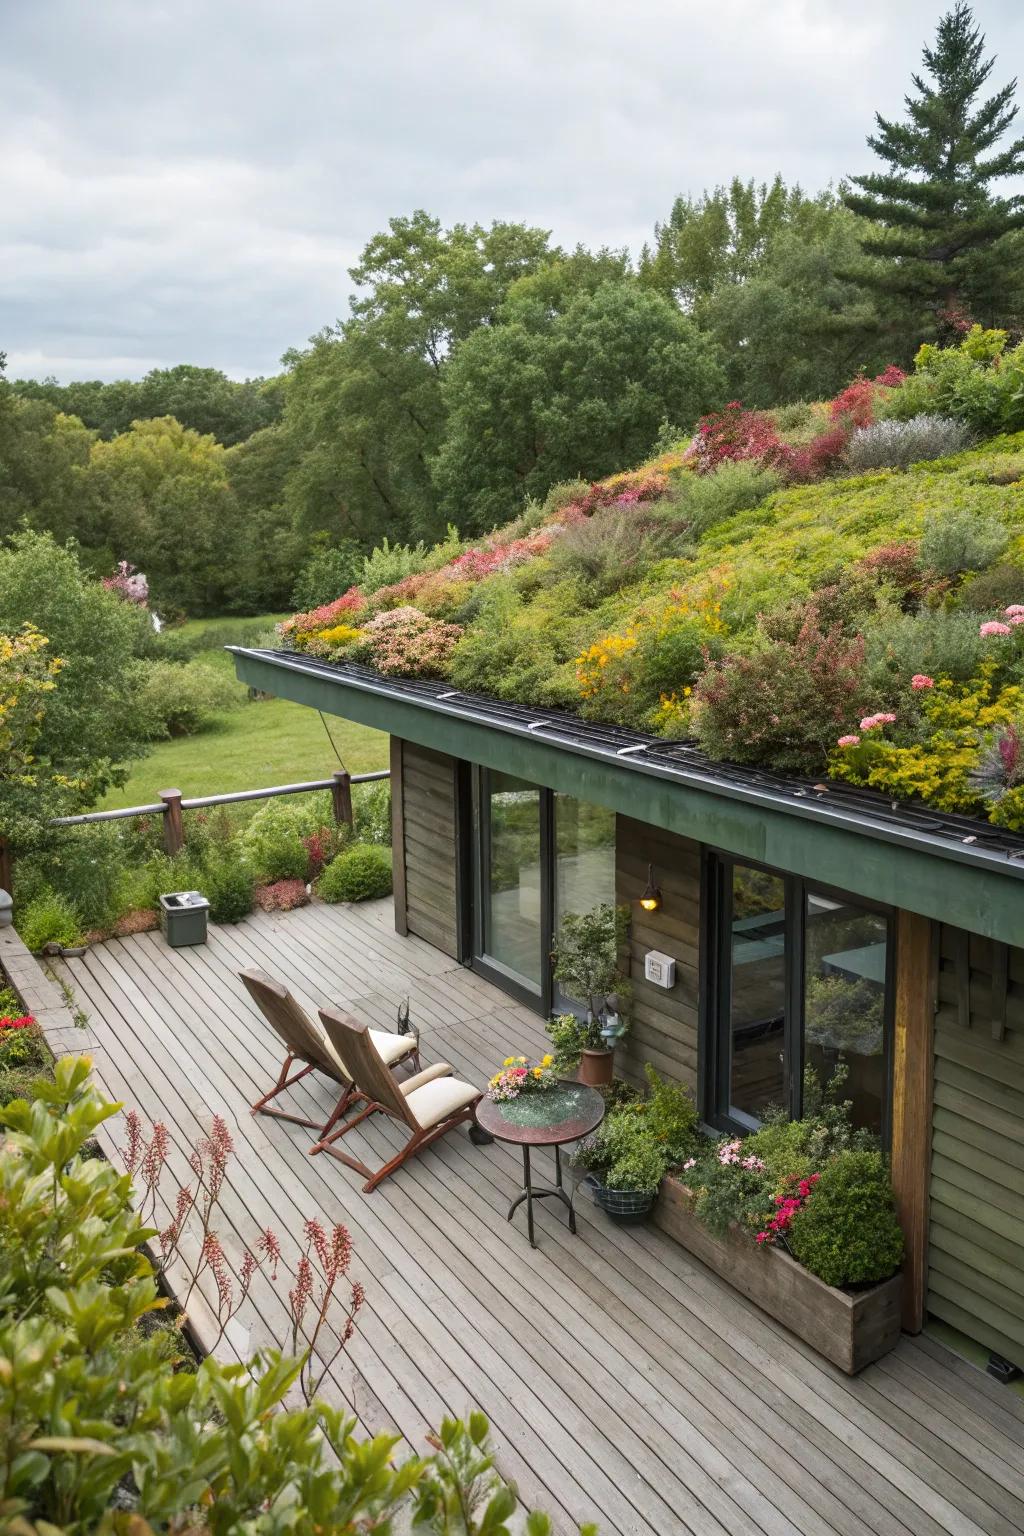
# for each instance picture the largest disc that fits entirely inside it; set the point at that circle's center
(586, 967)
(625, 1162)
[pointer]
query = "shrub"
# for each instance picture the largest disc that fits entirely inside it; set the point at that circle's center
(586, 954)
(360, 873)
(178, 700)
(785, 704)
(847, 1232)
(641, 1168)
(705, 500)
(281, 896)
(23, 1054)
(327, 573)
(734, 433)
(977, 381)
(406, 643)
(898, 444)
(390, 563)
(961, 540)
(272, 843)
(671, 1117)
(49, 919)
(939, 642)
(791, 417)
(609, 551)
(993, 589)
(371, 813)
(228, 886)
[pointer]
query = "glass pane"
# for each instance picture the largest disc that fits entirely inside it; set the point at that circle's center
(512, 899)
(584, 862)
(757, 992)
(844, 1001)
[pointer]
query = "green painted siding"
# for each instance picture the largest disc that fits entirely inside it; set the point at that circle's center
(977, 896)
(976, 1230)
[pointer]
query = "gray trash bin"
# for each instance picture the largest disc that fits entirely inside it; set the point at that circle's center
(183, 918)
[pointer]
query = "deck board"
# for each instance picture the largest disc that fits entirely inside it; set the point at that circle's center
(624, 1382)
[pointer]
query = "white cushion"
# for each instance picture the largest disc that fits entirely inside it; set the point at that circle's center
(437, 1100)
(392, 1048)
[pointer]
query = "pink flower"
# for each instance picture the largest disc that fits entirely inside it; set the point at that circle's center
(1017, 618)
(848, 741)
(920, 681)
(1015, 610)
(691, 1162)
(870, 722)
(993, 627)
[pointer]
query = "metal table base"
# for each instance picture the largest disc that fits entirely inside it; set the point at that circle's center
(529, 1194)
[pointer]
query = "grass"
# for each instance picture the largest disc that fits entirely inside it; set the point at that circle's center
(267, 741)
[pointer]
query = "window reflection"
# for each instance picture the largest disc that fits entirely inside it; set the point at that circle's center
(512, 890)
(584, 863)
(845, 955)
(757, 1014)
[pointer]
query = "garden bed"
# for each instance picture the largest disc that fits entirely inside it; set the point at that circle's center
(850, 1328)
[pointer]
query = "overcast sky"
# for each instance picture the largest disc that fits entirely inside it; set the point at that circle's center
(190, 181)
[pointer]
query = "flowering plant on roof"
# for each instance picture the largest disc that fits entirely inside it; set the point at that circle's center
(518, 1075)
(349, 602)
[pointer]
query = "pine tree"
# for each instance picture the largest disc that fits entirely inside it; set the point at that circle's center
(948, 243)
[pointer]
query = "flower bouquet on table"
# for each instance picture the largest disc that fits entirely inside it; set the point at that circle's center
(518, 1076)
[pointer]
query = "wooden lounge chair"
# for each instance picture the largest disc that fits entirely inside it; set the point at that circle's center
(304, 1042)
(428, 1104)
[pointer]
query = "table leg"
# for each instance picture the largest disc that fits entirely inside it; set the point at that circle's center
(528, 1183)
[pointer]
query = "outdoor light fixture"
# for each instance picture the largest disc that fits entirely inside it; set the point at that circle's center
(651, 898)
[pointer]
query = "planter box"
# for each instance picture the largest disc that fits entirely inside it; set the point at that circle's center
(850, 1328)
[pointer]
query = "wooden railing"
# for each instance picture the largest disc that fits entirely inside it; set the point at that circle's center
(171, 804)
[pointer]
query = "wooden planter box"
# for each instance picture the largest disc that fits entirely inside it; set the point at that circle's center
(850, 1328)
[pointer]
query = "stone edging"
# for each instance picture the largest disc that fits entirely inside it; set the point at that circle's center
(42, 997)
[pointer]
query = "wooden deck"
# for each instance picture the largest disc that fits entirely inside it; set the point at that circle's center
(624, 1382)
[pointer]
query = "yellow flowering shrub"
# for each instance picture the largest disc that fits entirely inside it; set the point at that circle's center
(958, 720)
(339, 635)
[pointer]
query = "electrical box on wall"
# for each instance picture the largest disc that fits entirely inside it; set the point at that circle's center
(659, 969)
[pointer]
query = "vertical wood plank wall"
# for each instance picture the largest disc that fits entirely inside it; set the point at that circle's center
(913, 1027)
(424, 812)
(976, 1235)
(664, 1024)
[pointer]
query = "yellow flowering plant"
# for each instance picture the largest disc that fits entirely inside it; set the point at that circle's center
(518, 1075)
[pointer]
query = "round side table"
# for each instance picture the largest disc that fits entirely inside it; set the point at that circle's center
(549, 1118)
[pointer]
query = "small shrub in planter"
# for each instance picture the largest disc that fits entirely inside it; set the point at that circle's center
(360, 873)
(846, 1232)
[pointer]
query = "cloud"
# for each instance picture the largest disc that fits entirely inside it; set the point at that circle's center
(190, 182)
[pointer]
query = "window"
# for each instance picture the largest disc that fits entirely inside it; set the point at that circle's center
(538, 855)
(800, 982)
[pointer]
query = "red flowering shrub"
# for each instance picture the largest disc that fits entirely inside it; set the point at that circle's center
(321, 847)
(785, 704)
(23, 1021)
(787, 1206)
(815, 459)
(735, 433)
(856, 403)
(281, 896)
(898, 565)
(617, 491)
(406, 643)
(475, 564)
(322, 618)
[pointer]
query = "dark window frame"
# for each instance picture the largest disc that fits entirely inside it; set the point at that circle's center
(540, 1000)
(716, 964)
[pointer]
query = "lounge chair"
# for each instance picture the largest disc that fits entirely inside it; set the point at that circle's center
(428, 1104)
(305, 1042)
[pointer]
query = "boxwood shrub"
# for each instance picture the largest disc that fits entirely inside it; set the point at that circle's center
(847, 1232)
(360, 873)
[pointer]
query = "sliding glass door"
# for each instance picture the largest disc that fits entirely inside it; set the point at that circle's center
(538, 856)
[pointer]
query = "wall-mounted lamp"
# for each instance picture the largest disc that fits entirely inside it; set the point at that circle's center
(651, 898)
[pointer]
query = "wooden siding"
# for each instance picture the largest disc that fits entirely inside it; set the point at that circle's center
(912, 1071)
(976, 1233)
(427, 831)
(664, 1024)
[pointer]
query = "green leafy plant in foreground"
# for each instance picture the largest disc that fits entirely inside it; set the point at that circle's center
(102, 1430)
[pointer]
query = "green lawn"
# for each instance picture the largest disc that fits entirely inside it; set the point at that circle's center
(270, 741)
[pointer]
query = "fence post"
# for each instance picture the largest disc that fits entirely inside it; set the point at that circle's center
(174, 832)
(341, 795)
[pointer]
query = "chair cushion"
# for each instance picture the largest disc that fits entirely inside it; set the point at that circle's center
(437, 1100)
(392, 1048)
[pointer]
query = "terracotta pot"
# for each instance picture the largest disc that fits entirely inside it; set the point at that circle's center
(596, 1068)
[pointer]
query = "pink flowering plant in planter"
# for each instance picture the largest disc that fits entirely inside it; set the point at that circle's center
(817, 1187)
